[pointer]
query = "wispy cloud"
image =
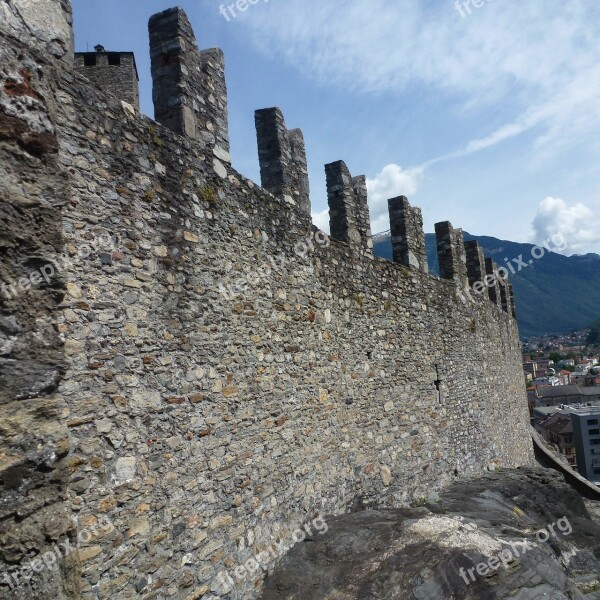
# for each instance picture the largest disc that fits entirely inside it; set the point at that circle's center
(375, 45)
(539, 62)
(565, 116)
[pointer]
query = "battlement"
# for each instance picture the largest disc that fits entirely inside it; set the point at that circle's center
(408, 237)
(282, 158)
(451, 253)
(349, 219)
(476, 268)
(491, 270)
(189, 89)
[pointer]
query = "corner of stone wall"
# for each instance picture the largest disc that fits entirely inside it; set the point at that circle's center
(37, 45)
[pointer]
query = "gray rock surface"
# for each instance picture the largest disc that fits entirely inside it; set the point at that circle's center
(417, 553)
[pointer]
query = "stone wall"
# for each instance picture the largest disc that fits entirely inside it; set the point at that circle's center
(232, 372)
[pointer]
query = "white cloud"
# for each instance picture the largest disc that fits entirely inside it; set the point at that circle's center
(321, 220)
(575, 226)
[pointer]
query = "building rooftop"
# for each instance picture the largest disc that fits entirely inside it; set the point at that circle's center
(559, 390)
(559, 423)
(584, 411)
(566, 410)
(546, 411)
(590, 391)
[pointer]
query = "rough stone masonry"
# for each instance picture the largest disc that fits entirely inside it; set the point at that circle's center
(204, 370)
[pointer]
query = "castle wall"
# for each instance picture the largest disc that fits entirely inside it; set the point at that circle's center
(232, 371)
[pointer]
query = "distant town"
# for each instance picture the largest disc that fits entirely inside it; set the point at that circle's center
(562, 375)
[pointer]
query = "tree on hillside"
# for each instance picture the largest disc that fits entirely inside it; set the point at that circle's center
(593, 337)
(556, 357)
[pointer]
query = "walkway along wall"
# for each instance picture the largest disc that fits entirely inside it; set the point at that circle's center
(231, 371)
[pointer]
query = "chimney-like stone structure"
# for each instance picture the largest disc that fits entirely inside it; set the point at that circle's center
(476, 269)
(349, 219)
(408, 237)
(451, 253)
(189, 89)
(282, 158)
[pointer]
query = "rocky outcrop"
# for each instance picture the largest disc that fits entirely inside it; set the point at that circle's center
(520, 534)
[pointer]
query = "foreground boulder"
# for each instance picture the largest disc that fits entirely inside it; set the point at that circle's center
(521, 534)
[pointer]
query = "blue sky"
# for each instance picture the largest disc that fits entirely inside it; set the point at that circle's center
(490, 120)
